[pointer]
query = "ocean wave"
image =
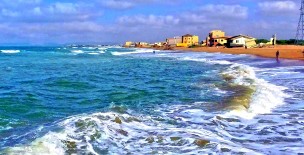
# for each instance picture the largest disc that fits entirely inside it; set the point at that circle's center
(102, 48)
(221, 62)
(90, 52)
(101, 52)
(112, 133)
(137, 51)
(94, 53)
(254, 96)
(77, 51)
(90, 48)
(10, 51)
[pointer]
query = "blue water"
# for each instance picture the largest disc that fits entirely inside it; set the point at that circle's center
(112, 100)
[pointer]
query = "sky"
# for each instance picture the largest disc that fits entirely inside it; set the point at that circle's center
(48, 22)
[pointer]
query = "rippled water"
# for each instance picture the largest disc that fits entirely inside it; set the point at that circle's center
(112, 100)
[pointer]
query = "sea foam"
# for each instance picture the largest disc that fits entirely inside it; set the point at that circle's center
(10, 51)
(266, 96)
(77, 51)
(137, 51)
(114, 133)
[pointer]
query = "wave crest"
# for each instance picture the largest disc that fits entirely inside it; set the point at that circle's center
(252, 96)
(10, 51)
(112, 133)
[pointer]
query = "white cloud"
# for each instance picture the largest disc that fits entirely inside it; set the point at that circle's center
(67, 8)
(37, 11)
(151, 20)
(9, 13)
(127, 4)
(225, 11)
(117, 4)
(283, 7)
(29, 1)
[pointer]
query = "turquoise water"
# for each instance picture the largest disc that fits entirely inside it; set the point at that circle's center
(112, 100)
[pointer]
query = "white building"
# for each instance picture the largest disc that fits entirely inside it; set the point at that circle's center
(241, 41)
(173, 41)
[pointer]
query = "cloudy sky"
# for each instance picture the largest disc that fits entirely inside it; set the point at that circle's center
(43, 22)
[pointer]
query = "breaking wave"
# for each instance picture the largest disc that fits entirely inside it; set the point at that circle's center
(252, 96)
(137, 51)
(10, 51)
(77, 51)
(112, 133)
(87, 52)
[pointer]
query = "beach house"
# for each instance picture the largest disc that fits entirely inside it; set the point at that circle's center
(216, 37)
(216, 33)
(241, 41)
(142, 44)
(173, 41)
(128, 44)
(189, 40)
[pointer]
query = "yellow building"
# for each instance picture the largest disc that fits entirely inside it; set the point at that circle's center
(182, 45)
(218, 41)
(128, 44)
(216, 34)
(216, 38)
(190, 40)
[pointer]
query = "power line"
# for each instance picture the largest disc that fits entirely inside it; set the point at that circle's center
(300, 30)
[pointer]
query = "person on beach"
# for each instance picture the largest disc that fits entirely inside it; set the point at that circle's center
(277, 55)
(303, 53)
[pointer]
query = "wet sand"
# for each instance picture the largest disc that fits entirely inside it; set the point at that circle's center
(286, 51)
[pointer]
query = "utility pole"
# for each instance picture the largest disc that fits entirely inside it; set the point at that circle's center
(300, 30)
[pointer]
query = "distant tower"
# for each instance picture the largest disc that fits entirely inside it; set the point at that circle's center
(300, 30)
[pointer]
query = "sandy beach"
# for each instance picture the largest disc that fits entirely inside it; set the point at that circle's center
(286, 51)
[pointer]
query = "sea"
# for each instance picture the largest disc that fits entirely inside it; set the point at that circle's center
(114, 100)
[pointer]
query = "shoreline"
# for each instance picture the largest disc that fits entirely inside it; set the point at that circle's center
(286, 51)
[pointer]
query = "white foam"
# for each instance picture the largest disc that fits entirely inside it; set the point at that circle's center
(102, 48)
(90, 48)
(77, 51)
(266, 97)
(94, 53)
(10, 51)
(102, 131)
(114, 46)
(221, 62)
(101, 52)
(137, 51)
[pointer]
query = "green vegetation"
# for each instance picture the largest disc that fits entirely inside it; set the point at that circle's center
(286, 42)
(280, 42)
(261, 41)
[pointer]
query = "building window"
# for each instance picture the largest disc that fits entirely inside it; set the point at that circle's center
(237, 41)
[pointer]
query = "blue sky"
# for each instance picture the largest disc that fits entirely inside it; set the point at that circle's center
(43, 22)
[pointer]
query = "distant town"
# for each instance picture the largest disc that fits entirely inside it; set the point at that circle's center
(215, 38)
